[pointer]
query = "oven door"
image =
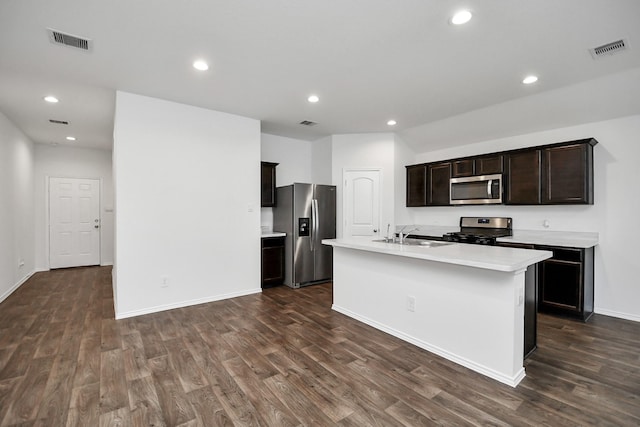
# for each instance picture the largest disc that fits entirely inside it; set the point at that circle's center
(476, 190)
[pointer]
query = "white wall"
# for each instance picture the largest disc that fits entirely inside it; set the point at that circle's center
(16, 207)
(404, 155)
(321, 167)
(72, 162)
(359, 151)
(293, 156)
(613, 215)
(187, 192)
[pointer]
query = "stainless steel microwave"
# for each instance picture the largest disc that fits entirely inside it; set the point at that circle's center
(476, 190)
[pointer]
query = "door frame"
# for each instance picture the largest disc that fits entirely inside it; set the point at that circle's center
(47, 216)
(343, 219)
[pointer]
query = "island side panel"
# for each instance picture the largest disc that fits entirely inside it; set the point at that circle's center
(471, 316)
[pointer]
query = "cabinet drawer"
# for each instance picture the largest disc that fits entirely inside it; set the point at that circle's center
(563, 254)
(272, 242)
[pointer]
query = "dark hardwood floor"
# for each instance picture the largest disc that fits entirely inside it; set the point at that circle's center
(283, 358)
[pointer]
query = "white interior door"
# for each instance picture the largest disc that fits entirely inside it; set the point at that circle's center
(74, 222)
(361, 203)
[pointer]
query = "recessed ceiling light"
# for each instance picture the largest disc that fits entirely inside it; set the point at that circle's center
(392, 122)
(71, 138)
(461, 17)
(51, 99)
(530, 79)
(200, 65)
(313, 98)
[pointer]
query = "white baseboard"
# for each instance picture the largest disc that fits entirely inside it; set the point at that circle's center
(105, 264)
(491, 373)
(12, 289)
(188, 303)
(619, 315)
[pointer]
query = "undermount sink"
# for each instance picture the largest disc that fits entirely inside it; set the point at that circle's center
(415, 242)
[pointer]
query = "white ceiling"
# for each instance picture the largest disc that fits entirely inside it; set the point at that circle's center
(367, 60)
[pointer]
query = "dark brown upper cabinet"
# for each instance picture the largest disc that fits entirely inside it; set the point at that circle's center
(485, 165)
(462, 167)
(417, 185)
(551, 174)
(522, 180)
(488, 165)
(267, 184)
(568, 174)
(438, 187)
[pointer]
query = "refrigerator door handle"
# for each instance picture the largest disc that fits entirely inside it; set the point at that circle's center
(314, 222)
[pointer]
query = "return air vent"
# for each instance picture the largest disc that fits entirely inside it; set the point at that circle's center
(77, 42)
(59, 122)
(609, 49)
(308, 123)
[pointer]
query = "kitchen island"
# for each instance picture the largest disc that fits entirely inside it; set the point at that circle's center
(462, 302)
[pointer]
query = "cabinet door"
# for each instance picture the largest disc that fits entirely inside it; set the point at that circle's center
(523, 178)
(566, 176)
(561, 285)
(417, 185)
(439, 185)
(461, 168)
(488, 165)
(268, 184)
(272, 261)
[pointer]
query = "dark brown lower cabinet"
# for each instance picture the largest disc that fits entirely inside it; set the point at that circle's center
(566, 282)
(272, 261)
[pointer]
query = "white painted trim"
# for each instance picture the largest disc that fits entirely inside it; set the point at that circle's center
(16, 286)
(106, 264)
(47, 225)
(511, 381)
(619, 315)
(181, 304)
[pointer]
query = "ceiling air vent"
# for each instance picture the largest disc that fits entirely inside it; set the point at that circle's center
(59, 122)
(308, 123)
(608, 49)
(77, 42)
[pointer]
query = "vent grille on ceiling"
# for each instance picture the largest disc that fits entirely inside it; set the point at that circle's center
(59, 122)
(308, 123)
(609, 49)
(77, 42)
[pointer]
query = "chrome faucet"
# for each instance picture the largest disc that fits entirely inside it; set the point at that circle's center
(403, 235)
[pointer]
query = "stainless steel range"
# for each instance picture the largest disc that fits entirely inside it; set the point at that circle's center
(481, 230)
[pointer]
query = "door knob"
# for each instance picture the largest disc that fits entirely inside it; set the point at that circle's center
(96, 226)
(375, 231)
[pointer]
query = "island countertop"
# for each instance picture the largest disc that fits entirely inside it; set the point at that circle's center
(478, 256)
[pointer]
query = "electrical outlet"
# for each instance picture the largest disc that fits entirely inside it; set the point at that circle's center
(164, 282)
(411, 303)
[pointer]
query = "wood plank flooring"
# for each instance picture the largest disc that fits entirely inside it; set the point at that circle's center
(283, 358)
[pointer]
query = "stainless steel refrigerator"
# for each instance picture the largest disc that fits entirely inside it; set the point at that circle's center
(307, 213)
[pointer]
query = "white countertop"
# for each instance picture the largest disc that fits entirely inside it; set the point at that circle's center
(479, 256)
(571, 239)
(273, 234)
